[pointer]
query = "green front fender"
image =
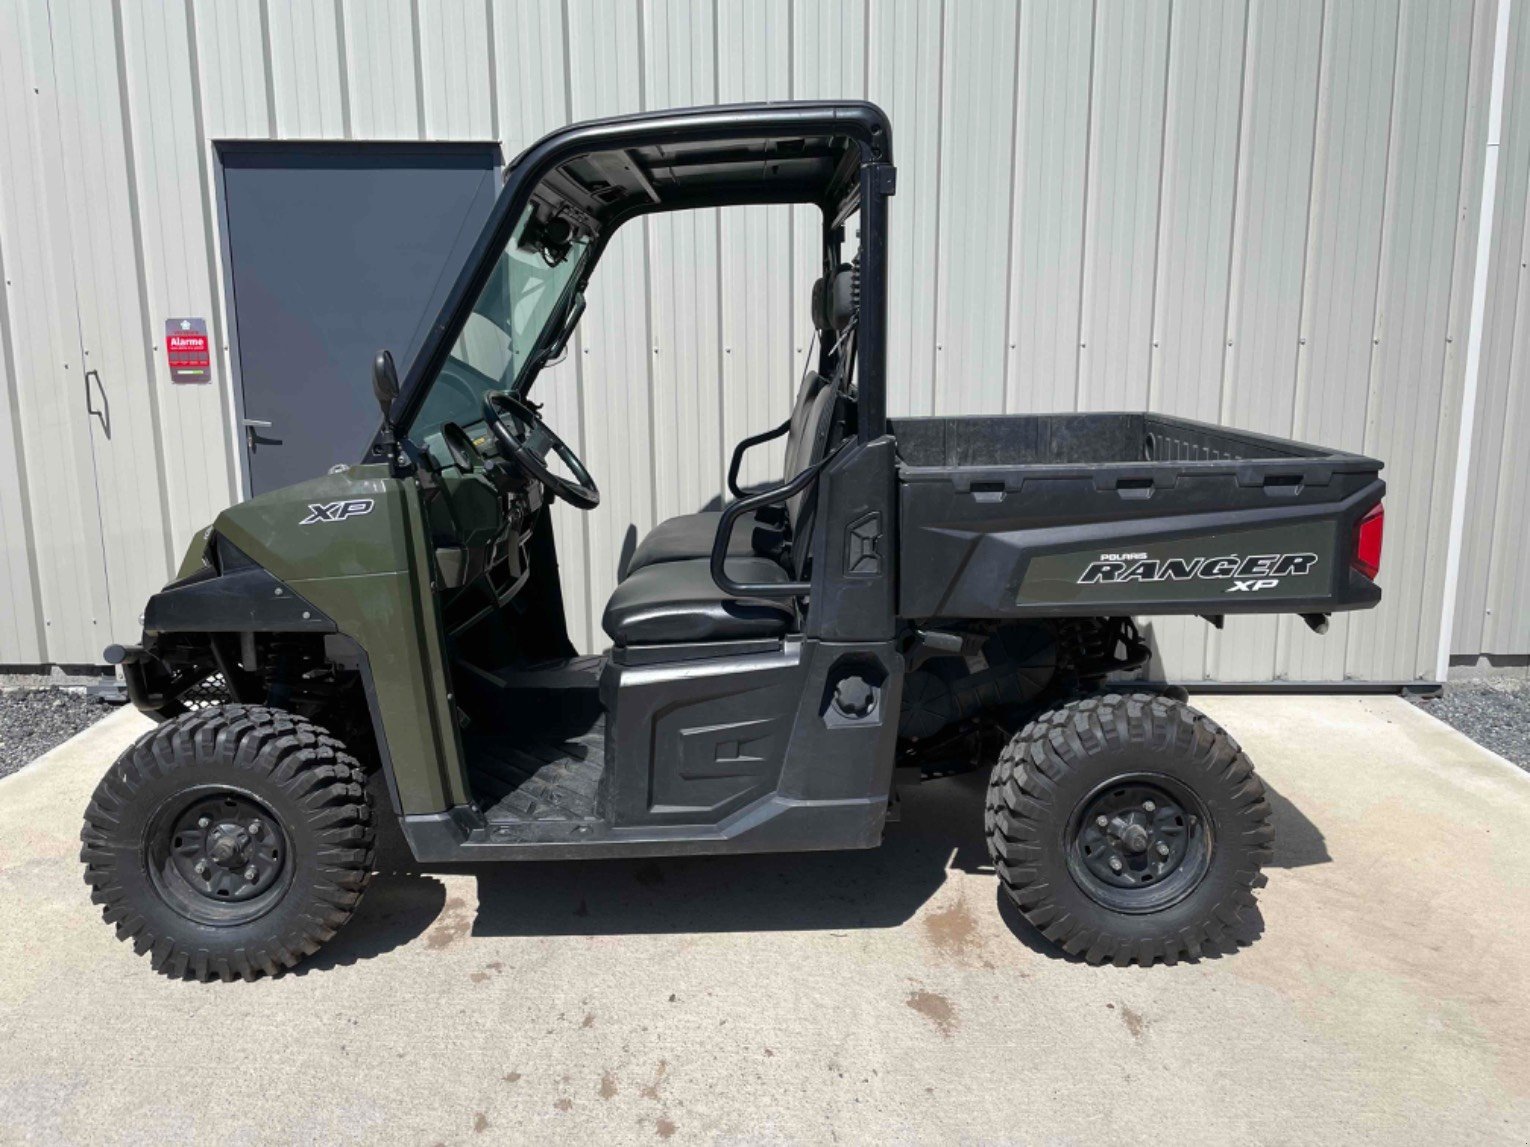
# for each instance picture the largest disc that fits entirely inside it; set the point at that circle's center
(370, 570)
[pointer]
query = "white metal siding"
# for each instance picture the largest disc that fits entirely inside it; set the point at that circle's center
(60, 609)
(1255, 211)
(1493, 602)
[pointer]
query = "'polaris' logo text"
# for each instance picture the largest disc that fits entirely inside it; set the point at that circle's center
(336, 511)
(1248, 575)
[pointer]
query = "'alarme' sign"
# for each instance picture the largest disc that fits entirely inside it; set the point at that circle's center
(186, 348)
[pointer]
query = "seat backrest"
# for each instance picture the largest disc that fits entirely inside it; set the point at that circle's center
(818, 421)
(817, 428)
(812, 382)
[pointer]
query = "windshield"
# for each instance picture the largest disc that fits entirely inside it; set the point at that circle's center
(529, 280)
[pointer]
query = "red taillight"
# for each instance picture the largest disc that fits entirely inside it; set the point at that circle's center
(1367, 555)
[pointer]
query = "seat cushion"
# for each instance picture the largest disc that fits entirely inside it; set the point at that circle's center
(690, 536)
(679, 601)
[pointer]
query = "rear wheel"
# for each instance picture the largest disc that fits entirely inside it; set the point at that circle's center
(230, 841)
(1129, 828)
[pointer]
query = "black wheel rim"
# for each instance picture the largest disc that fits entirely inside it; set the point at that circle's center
(218, 856)
(1139, 843)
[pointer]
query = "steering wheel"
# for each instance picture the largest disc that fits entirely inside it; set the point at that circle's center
(527, 440)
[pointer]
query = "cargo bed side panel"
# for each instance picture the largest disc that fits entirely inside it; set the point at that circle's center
(1209, 521)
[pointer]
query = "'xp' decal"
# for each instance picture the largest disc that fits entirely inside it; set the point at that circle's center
(336, 511)
(1248, 575)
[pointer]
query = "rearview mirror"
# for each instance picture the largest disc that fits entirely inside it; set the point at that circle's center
(385, 383)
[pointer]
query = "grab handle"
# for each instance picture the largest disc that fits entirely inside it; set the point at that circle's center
(1135, 482)
(733, 512)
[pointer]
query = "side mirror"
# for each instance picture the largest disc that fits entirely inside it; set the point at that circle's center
(385, 383)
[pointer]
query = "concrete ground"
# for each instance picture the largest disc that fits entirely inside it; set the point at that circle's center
(851, 997)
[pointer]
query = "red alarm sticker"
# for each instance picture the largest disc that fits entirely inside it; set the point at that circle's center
(187, 350)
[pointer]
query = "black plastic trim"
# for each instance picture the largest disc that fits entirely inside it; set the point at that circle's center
(776, 824)
(346, 650)
(692, 651)
(248, 600)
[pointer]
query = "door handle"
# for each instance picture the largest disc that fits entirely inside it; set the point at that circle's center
(252, 438)
(104, 414)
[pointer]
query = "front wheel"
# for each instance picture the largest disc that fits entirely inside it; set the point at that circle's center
(1129, 828)
(229, 841)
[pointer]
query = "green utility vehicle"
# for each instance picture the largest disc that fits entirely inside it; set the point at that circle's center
(914, 596)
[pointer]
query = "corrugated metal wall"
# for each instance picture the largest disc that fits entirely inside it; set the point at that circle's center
(1258, 212)
(1493, 602)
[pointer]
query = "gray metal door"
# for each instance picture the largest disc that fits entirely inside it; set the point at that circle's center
(335, 250)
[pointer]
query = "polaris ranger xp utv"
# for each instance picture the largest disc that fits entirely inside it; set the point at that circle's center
(913, 595)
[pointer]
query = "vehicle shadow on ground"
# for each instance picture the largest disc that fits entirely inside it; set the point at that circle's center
(1298, 842)
(882, 887)
(940, 830)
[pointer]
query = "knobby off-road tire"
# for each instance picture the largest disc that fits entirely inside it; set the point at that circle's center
(230, 841)
(1077, 778)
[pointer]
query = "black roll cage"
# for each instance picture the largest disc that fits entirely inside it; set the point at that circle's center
(863, 123)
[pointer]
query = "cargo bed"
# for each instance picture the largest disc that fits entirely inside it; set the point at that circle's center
(1105, 514)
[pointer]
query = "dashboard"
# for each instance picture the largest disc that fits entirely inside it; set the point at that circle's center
(481, 512)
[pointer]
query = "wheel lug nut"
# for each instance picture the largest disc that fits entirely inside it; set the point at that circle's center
(1148, 806)
(1115, 864)
(202, 868)
(203, 822)
(1102, 821)
(1163, 849)
(254, 828)
(250, 874)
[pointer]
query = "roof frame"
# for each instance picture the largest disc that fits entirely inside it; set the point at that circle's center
(863, 125)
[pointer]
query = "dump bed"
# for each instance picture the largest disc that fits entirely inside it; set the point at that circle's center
(1101, 514)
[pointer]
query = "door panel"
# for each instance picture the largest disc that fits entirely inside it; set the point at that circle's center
(335, 251)
(692, 742)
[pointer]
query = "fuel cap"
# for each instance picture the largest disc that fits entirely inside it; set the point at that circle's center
(854, 696)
